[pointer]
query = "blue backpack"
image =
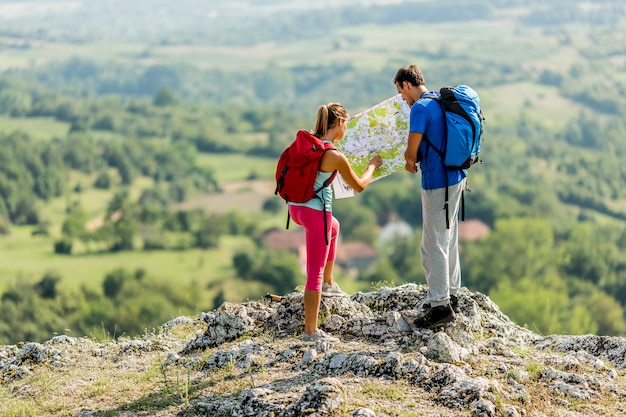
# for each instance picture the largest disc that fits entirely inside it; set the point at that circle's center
(464, 125)
(464, 132)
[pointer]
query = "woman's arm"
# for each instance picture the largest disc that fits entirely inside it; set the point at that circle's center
(335, 160)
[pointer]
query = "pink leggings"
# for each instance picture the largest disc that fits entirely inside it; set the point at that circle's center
(318, 253)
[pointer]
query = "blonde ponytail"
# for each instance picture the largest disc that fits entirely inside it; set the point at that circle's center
(328, 116)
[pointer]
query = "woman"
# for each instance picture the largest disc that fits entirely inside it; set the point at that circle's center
(330, 126)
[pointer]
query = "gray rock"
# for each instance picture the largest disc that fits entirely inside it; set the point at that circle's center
(363, 412)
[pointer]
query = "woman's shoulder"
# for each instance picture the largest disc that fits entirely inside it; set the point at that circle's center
(332, 159)
(334, 155)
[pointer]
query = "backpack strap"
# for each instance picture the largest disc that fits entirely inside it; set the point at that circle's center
(327, 146)
(324, 185)
(288, 217)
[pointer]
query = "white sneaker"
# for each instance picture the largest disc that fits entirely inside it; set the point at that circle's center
(320, 335)
(332, 290)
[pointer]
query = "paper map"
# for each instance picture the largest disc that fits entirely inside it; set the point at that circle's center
(380, 130)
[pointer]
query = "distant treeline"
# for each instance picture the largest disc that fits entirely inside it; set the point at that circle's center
(198, 22)
(281, 89)
(302, 87)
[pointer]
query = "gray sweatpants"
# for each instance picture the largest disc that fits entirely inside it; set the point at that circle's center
(440, 246)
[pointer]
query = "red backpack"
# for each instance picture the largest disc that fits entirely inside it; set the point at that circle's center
(297, 169)
(298, 166)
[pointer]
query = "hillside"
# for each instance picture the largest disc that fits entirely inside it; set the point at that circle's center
(248, 360)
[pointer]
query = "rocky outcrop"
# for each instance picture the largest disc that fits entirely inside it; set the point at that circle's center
(483, 364)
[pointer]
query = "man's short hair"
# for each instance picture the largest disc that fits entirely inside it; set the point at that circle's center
(411, 74)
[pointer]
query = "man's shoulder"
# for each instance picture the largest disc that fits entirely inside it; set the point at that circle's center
(429, 100)
(429, 107)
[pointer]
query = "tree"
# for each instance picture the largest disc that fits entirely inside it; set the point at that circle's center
(63, 246)
(607, 312)
(47, 287)
(405, 258)
(381, 272)
(515, 249)
(15, 102)
(219, 299)
(103, 181)
(239, 223)
(357, 222)
(67, 112)
(75, 223)
(549, 77)
(114, 282)
(120, 224)
(165, 97)
(590, 254)
(156, 78)
(273, 205)
(25, 210)
(79, 152)
(244, 265)
(105, 122)
(279, 269)
(124, 231)
(208, 236)
(538, 303)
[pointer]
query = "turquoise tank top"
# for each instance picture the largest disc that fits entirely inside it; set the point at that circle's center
(325, 194)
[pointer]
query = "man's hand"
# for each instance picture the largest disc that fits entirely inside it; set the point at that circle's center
(410, 154)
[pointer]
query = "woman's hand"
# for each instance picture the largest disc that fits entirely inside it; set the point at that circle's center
(377, 161)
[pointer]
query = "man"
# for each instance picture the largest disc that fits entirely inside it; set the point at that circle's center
(440, 251)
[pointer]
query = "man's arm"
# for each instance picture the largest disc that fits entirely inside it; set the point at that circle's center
(410, 154)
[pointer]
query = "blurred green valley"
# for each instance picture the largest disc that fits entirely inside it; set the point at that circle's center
(139, 141)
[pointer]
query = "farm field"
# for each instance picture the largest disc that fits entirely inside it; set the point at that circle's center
(29, 257)
(40, 128)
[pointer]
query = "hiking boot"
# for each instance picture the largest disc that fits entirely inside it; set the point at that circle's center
(320, 335)
(454, 303)
(434, 317)
(332, 290)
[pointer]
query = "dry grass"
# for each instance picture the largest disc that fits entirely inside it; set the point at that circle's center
(111, 379)
(122, 379)
(99, 378)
